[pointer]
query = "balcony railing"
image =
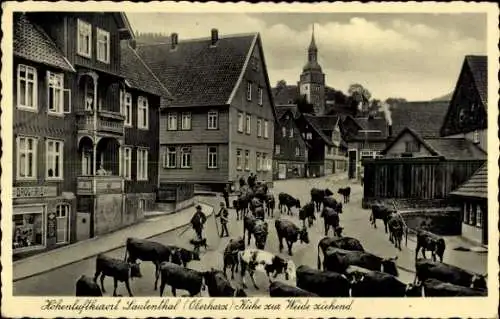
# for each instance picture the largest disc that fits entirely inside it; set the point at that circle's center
(92, 185)
(103, 123)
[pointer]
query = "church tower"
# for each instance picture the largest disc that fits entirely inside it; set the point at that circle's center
(312, 79)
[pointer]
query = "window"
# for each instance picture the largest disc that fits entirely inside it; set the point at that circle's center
(412, 147)
(213, 120)
(240, 122)
(127, 109)
(479, 216)
(266, 129)
(54, 162)
(309, 136)
(55, 87)
(472, 214)
(291, 132)
(28, 228)
(249, 91)
(255, 63)
(169, 159)
(142, 204)
(143, 114)
(84, 39)
(103, 45)
(258, 162)
(248, 123)
(283, 131)
(265, 164)
(259, 127)
(247, 160)
(62, 223)
(212, 157)
(297, 151)
(475, 136)
(186, 121)
(238, 159)
(277, 149)
(142, 164)
(260, 95)
(186, 157)
(26, 157)
(27, 87)
(127, 163)
(87, 167)
(172, 122)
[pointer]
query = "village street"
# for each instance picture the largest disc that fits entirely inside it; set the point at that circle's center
(354, 220)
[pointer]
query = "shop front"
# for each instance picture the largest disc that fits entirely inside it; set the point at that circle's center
(28, 228)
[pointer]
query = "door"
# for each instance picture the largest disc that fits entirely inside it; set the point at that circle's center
(352, 164)
(82, 226)
(281, 171)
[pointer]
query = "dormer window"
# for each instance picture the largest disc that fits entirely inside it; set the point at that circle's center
(102, 46)
(84, 39)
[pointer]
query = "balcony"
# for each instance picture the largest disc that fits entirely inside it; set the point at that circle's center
(104, 122)
(93, 185)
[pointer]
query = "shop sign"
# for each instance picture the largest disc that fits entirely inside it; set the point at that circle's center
(35, 191)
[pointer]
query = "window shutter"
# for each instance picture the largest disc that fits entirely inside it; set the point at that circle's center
(67, 101)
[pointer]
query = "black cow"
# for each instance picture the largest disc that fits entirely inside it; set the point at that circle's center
(322, 283)
(338, 260)
(280, 289)
(369, 283)
(118, 269)
(291, 233)
(270, 204)
(346, 243)
(179, 277)
(182, 256)
(380, 212)
(397, 229)
(241, 205)
(260, 191)
(86, 287)
(332, 203)
(219, 286)
(330, 218)
(307, 212)
(429, 241)
(435, 288)
(255, 203)
(317, 196)
(256, 227)
(426, 269)
(288, 202)
(346, 193)
(231, 254)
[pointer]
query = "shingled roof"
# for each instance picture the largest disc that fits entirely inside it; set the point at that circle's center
(478, 65)
(317, 125)
(424, 117)
(138, 75)
(196, 73)
(476, 186)
(285, 94)
(33, 44)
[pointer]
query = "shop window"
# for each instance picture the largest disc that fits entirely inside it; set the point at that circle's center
(28, 228)
(62, 221)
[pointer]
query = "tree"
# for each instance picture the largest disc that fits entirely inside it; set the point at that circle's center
(375, 106)
(303, 106)
(359, 94)
(281, 83)
(394, 101)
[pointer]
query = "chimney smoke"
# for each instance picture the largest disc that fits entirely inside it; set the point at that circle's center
(387, 113)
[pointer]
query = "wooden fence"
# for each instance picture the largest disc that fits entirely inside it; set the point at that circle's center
(414, 178)
(175, 192)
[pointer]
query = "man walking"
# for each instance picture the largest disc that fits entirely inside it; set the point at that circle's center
(224, 218)
(198, 221)
(225, 194)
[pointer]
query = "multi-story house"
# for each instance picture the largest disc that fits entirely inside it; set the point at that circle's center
(220, 125)
(71, 130)
(290, 149)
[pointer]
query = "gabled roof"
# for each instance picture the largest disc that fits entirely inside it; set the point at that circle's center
(281, 109)
(33, 44)
(137, 73)
(478, 65)
(310, 119)
(476, 186)
(425, 117)
(286, 94)
(373, 124)
(124, 27)
(325, 122)
(198, 74)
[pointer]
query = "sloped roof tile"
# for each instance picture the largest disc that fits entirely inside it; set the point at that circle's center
(476, 186)
(456, 148)
(425, 118)
(314, 124)
(478, 65)
(32, 43)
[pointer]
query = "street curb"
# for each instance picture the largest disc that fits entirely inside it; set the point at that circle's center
(107, 250)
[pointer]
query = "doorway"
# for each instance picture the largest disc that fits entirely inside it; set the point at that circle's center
(353, 154)
(281, 171)
(82, 226)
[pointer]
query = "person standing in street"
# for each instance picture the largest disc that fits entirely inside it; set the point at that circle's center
(198, 221)
(224, 219)
(225, 194)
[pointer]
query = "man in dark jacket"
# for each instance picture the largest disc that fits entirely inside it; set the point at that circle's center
(198, 221)
(224, 218)
(251, 180)
(225, 194)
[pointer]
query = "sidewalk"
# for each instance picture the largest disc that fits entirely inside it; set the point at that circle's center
(69, 254)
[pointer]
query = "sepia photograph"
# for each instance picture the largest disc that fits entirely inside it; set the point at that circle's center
(321, 154)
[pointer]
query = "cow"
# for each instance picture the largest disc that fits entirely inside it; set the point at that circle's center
(258, 228)
(270, 204)
(255, 203)
(397, 229)
(288, 202)
(182, 256)
(429, 241)
(317, 196)
(219, 286)
(345, 192)
(380, 212)
(253, 260)
(346, 243)
(260, 191)
(435, 288)
(322, 283)
(231, 255)
(426, 269)
(330, 218)
(260, 213)
(241, 205)
(291, 233)
(118, 269)
(336, 259)
(280, 289)
(370, 283)
(198, 243)
(307, 212)
(178, 277)
(86, 287)
(330, 202)
(147, 250)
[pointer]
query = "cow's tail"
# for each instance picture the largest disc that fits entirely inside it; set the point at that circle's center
(319, 259)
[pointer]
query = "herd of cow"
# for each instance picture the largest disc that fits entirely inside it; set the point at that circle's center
(348, 270)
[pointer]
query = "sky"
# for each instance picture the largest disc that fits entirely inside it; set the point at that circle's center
(417, 56)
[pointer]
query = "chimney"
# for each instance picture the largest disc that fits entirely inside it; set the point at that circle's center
(132, 43)
(215, 36)
(174, 40)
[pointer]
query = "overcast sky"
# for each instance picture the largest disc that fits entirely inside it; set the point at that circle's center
(415, 56)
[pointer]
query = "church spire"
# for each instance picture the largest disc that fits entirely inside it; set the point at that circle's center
(312, 46)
